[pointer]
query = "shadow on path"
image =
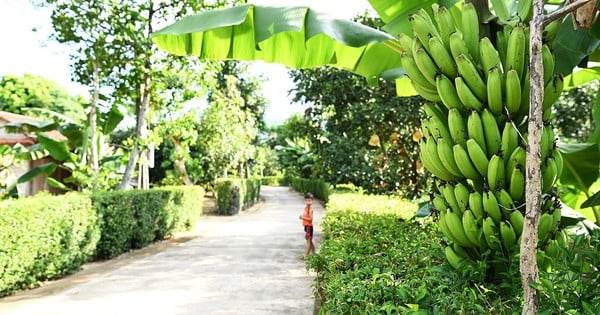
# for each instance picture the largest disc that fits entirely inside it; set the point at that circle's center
(245, 264)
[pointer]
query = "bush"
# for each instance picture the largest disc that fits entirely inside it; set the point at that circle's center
(274, 181)
(44, 237)
(318, 187)
(234, 195)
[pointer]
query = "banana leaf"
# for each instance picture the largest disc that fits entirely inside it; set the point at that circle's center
(59, 150)
(298, 37)
(580, 164)
(46, 169)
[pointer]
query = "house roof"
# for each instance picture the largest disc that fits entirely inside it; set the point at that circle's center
(22, 138)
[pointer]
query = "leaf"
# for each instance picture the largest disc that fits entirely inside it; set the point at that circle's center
(56, 184)
(113, 118)
(593, 201)
(580, 162)
(581, 77)
(572, 46)
(58, 149)
(424, 210)
(29, 126)
(298, 37)
(405, 88)
(44, 169)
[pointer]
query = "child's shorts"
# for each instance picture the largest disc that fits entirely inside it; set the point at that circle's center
(309, 231)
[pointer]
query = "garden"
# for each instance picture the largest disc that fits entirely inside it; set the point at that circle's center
(455, 144)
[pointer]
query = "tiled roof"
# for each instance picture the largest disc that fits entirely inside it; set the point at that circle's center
(22, 138)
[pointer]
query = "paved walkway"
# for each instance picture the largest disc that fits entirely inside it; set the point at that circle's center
(245, 264)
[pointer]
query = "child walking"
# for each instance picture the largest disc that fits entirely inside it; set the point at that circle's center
(307, 222)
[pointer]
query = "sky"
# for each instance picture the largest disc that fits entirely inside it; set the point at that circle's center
(27, 49)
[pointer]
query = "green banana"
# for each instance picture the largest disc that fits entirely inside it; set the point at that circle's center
(491, 207)
(471, 227)
(455, 261)
(491, 233)
(457, 127)
(505, 201)
(510, 138)
(458, 46)
(500, 9)
(406, 42)
(461, 192)
(545, 228)
(464, 163)
(471, 76)
(470, 29)
(491, 132)
(430, 165)
(525, 91)
(501, 42)
(475, 130)
(466, 95)
(447, 93)
(508, 235)
(547, 141)
(476, 205)
(516, 50)
(478, 157)
(550, 32)
(430, 95)
(556, 218)
(490, 57)
(425, 64)
(512, 91)
(495, 82)
(557, 156)
(442, 58)
(552, 91)
(445, 23)
(516, 185)
(447, 191)
(439, 203)
(525, 10)
(549, 172)
(548, 62)
(517, 158)
(423, 28)
(454, 223)
(516, 219)
(439, 118)
(446, 155)
(413, 72)
(495, 173)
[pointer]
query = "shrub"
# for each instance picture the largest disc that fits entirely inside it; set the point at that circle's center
(274, 181)
(319, 188)
(234, 195)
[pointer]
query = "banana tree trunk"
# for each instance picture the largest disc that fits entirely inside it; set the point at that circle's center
(180, 161)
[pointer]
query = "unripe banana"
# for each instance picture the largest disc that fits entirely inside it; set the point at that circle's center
(430, 95)
(512, 92)
(548, 62)
(446, 155)
(505, 202)
(423, 28)
(501, 41)
(413, 72)
(447, 191)
(490, 206)
(508, 235)
(516, 158)
(516, 186)
(525, 10)
(495, 82)
(442, 57)
(478, 157)
(552, 249)
(470, 29)
(549, 172)
(431, 166)
(471, 227)
(491, 132)
(461, 192)
(510, 138)
(439, 203)
(516, 220)
(495, 173)
(406, 42)
(550, 32)
(525, 91)
(457, 127)
(471, 76)
(475, 130)
(556, 218)
(490, 58)
(455, 261)
(466, 95)
(439, 118)
(442, 224)
(464, 163)
(545, 228)
(447, 93)
(500, 9)
(458, 46)
(425, 63)
(547, 141)
(454, 223)
(445, 23)
(552, 91)
(476, 205)
(491, 233)
(557, 156)
(516, 50)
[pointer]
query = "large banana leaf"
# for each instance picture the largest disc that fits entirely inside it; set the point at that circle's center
(298, 37)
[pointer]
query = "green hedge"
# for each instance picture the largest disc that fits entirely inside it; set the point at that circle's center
(274, 181)
(234, 195)
(318, 187)
(133, 219)
(44, 237)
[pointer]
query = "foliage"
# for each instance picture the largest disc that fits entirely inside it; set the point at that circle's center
(273, 181)
(45, 237)
(572, 113)
(30, 95)
(318, 187)
(135, 218)
(234, 195)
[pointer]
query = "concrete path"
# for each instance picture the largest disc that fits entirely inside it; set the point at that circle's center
(245, 264)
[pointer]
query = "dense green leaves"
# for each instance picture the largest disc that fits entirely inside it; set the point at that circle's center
(298, 37)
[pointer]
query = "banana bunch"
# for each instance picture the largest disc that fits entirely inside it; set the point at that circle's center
(474, 142)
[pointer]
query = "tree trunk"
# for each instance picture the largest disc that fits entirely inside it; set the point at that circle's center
(92, 119)
(180, 162)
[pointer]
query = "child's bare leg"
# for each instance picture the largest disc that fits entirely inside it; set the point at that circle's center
(308, 245)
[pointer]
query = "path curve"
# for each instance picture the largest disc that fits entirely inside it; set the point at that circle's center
(245, 264)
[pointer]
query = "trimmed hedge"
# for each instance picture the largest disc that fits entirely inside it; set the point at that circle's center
(274, 181)
(45, 237)
(318, 187)
(234, 195)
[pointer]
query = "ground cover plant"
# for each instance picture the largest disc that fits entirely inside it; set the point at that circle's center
(376, 259)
